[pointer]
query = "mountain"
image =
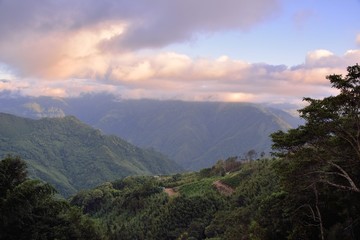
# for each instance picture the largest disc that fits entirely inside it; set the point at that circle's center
(72, 155)
(194, 134)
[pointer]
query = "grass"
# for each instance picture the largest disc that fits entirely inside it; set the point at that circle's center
(198, 188)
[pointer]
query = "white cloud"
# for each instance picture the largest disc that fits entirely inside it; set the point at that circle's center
(318, 54)
(177, 76)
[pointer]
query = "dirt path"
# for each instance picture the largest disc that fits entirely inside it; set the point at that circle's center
(170, 191)
(223, 188)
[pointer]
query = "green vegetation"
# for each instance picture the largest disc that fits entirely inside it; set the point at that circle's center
(320, 169)
(72, 156)
(29, 210)
(139, 207)
(310, 191)
(198, 188)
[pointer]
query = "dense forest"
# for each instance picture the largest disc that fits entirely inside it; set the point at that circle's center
(30, 209)
(308, 190)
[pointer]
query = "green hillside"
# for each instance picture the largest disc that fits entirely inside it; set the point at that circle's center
(194, 134)
(200, 205)
(250, 201)
(231, 200)
(71, 155)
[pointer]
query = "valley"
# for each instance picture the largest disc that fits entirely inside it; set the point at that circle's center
(193, 134)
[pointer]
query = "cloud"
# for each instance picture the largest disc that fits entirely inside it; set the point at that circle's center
(46, 39)
(149, 23)
(358, 39)
(164, 22)
(35, 107)
(177, 76)
(65, 48)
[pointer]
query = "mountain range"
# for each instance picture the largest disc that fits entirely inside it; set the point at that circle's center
(194, 134)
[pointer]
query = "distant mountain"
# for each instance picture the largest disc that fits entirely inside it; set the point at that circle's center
(72, 155)
(194, 134)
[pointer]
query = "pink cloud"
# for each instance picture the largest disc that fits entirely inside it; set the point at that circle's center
(149, 23)
(49, 39)
(177, 76)
(83, 46)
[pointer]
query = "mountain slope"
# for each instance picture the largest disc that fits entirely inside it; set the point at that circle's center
(194, 134)
(197, 205)
(71, 155)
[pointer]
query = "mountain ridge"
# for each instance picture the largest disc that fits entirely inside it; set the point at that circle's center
(194, 134)
(71, 155)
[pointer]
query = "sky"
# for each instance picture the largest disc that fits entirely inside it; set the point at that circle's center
(265, 51)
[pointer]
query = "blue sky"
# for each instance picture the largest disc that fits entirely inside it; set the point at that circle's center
(275, 51)
(299, 27)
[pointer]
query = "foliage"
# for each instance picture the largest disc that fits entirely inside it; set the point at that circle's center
(12, 173)
(198, 188)
(138, 208)
(321, 163)
(222, 167)
(30, 210)
(255, 209)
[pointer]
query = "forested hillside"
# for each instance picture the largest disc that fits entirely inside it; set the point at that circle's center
(30, 210)
(308, 190)
(193, 205)
(72, 156)
(231, 200)
(194, 134)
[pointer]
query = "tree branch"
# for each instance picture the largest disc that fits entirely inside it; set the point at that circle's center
(346, 176)
(340, 186)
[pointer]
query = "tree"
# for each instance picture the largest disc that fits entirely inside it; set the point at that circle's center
(251, 154)
(322, 157)
(30, 210)
(12, 173)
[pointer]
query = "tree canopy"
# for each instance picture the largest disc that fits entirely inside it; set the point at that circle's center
(29, 208)
(321, 161)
